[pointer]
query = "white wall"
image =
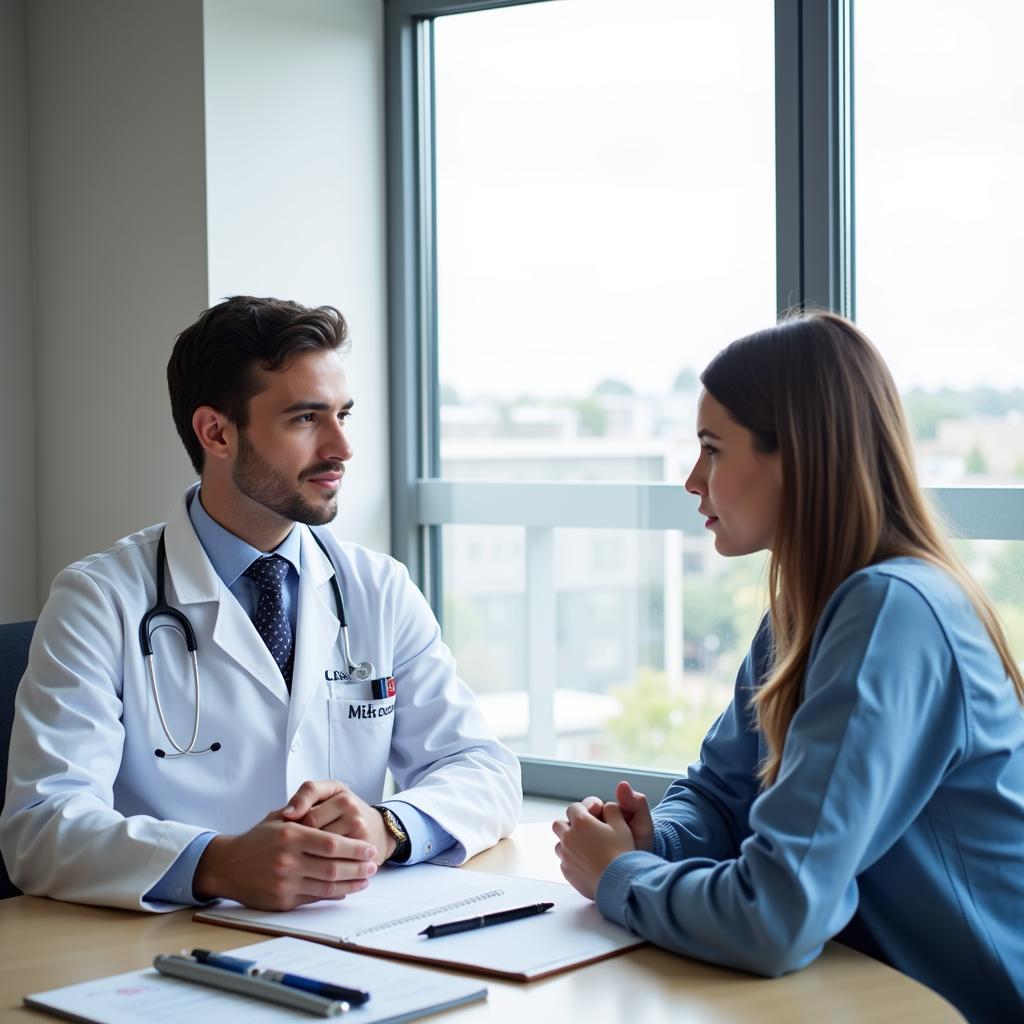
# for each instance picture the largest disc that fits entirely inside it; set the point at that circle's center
(296, 192)
(119, 258)
(17, 464)
(122, 143)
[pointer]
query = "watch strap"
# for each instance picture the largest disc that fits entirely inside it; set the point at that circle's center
(395, 829)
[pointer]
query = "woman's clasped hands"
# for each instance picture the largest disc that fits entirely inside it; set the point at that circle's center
(594, 832)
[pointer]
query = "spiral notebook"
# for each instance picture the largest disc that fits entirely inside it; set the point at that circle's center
(386, 920)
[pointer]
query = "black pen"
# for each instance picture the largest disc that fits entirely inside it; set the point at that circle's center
(500, 917)
(225, 962)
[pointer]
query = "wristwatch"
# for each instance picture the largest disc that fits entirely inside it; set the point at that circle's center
(396, 830)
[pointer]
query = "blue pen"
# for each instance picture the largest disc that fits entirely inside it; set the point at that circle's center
(354, 996)
(226, 963)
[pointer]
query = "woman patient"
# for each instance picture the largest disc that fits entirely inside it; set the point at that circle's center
(867, 780)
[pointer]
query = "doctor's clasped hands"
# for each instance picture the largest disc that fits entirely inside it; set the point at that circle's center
(333, 807)
(289, 858)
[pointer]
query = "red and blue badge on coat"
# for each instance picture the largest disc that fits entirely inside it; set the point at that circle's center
(383, 688)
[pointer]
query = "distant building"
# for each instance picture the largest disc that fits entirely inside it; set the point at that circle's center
(618, 602)
(973, 447)
(618, 592)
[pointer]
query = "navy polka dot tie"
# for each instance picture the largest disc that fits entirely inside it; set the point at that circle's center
(271, 622)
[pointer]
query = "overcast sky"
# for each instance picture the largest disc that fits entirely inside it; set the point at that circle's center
(606, 198)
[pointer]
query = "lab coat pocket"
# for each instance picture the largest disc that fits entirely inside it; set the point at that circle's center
(360, 743)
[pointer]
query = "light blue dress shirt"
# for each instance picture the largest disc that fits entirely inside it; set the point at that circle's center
(896, 822)
(230, 557)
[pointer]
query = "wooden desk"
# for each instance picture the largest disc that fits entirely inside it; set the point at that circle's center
(46, 944)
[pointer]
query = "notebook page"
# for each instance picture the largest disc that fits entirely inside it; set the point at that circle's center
(399, 903)
(572, 932)
(424, 892)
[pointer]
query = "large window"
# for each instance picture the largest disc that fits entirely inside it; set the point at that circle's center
(940, 217)
(939, 133)
(588, 199)
(605, 221)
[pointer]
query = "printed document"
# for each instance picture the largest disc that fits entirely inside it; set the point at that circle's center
(397, 992)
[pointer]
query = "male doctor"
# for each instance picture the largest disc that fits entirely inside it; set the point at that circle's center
(262, 782)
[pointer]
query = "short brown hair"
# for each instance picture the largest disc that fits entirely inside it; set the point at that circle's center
(213, 360)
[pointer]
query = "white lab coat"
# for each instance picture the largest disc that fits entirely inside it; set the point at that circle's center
(92, 815)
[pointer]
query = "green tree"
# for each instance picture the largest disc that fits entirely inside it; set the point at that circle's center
(989, 402)
(657, 729)
(708, 611)
(976, 464)
(925, 409)
(727, 607)
(593, 417)
(1007, 580)
(686, 380)
(610, 386)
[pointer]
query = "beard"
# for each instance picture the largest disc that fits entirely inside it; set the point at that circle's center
(260, 482)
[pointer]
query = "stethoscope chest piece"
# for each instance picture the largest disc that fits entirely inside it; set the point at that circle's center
(364, 670)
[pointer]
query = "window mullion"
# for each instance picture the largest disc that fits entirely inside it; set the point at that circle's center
(789, 240)
(814, 149)
(404, 279)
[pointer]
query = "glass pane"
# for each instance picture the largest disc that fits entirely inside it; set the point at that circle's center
(605, 223)
(940, 212)
(648, 632)
(998, 565)
(484, 606)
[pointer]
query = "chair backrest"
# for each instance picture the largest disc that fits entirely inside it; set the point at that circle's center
(14, 642)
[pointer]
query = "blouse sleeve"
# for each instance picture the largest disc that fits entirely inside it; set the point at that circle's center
(881, 723)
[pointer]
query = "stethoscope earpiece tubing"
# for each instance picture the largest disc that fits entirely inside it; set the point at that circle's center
(146, 629)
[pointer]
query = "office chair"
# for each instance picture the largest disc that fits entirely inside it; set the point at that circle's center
(14, 640)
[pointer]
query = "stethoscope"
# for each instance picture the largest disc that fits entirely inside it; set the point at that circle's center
(357, 673)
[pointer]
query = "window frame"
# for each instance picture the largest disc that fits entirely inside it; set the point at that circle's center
(815, 267)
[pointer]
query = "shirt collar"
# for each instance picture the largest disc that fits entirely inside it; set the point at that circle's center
(229, 554)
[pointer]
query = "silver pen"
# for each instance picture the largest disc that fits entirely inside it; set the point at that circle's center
(187, 969)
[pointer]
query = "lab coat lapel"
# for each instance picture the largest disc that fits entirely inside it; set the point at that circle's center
(316, 631)
(195, 581)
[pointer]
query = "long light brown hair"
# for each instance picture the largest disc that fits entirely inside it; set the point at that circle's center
(816, 390)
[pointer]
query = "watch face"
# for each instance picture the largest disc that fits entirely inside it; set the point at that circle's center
(397, 832)
(393, 826)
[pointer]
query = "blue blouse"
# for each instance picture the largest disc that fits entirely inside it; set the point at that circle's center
(897, 814)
